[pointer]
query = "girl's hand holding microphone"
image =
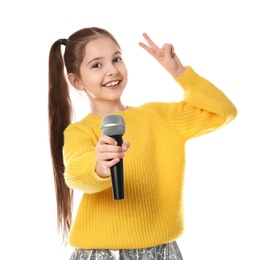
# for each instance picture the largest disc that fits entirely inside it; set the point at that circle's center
(108, 154)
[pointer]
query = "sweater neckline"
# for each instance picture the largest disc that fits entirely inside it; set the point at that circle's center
(97, 118)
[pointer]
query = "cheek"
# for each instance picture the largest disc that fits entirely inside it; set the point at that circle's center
(124, 71)
(91, 80)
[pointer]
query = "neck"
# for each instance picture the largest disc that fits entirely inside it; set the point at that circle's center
(107, 109)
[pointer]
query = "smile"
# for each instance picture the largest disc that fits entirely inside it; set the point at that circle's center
(112, 83)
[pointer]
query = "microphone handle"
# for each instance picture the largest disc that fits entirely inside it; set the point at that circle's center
(117, 174)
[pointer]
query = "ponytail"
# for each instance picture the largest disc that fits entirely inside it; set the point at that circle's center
(59, 113)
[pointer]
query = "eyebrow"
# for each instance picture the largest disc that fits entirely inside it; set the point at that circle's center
(101, 58)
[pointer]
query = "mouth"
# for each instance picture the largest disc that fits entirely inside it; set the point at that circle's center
(112, 84)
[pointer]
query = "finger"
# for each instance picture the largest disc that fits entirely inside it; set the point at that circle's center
(108, 148)
(105, 139)
(168, 50)
(126, 145)
(109, 152)
(104, 154)
(152, 48)
(147, 48)
(149, 40)
(109, 164)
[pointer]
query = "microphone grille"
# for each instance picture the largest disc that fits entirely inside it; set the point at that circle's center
(113, 124)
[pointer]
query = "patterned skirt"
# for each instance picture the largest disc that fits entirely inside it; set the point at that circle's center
(161, 252)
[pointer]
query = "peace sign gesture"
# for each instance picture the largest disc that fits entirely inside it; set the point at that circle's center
(165, 56)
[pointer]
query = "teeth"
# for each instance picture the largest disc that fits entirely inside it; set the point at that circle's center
(112, 83)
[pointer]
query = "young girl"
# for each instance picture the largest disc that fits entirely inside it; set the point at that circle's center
(147, 222)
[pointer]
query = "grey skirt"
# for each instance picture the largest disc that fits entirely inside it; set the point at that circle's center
(165, 251)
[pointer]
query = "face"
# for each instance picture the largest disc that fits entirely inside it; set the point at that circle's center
(103, 72)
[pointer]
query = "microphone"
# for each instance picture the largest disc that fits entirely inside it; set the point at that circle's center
(113, 125)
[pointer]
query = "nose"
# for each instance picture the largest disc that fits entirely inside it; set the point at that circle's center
(111, 69)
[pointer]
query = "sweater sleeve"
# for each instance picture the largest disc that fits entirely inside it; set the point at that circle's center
(205, 108)
(80, 161)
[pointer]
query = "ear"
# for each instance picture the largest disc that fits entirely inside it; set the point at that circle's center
(75, 81)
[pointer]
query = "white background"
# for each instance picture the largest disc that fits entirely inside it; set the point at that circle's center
(226, 187)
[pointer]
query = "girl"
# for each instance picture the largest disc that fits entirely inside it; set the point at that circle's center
(147, 222)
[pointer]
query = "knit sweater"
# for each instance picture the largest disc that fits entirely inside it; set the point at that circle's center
(152, 211)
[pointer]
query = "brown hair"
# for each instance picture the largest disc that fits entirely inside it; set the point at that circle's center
(60, 111)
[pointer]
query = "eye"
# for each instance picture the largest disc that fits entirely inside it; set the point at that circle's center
(97, 65)
(117, 59)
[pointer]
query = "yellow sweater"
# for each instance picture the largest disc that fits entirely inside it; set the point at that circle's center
(152, 211)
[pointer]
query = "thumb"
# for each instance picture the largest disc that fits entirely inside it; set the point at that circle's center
(126, 145)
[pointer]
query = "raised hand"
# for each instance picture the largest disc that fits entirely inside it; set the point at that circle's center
(165, 56)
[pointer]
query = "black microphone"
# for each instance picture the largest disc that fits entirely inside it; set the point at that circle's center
(113, 125)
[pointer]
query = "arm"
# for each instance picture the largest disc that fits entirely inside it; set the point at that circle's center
(205, 108)
(87, 161)
(80, 161)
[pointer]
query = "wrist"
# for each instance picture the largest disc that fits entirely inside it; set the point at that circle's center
(179, 72)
